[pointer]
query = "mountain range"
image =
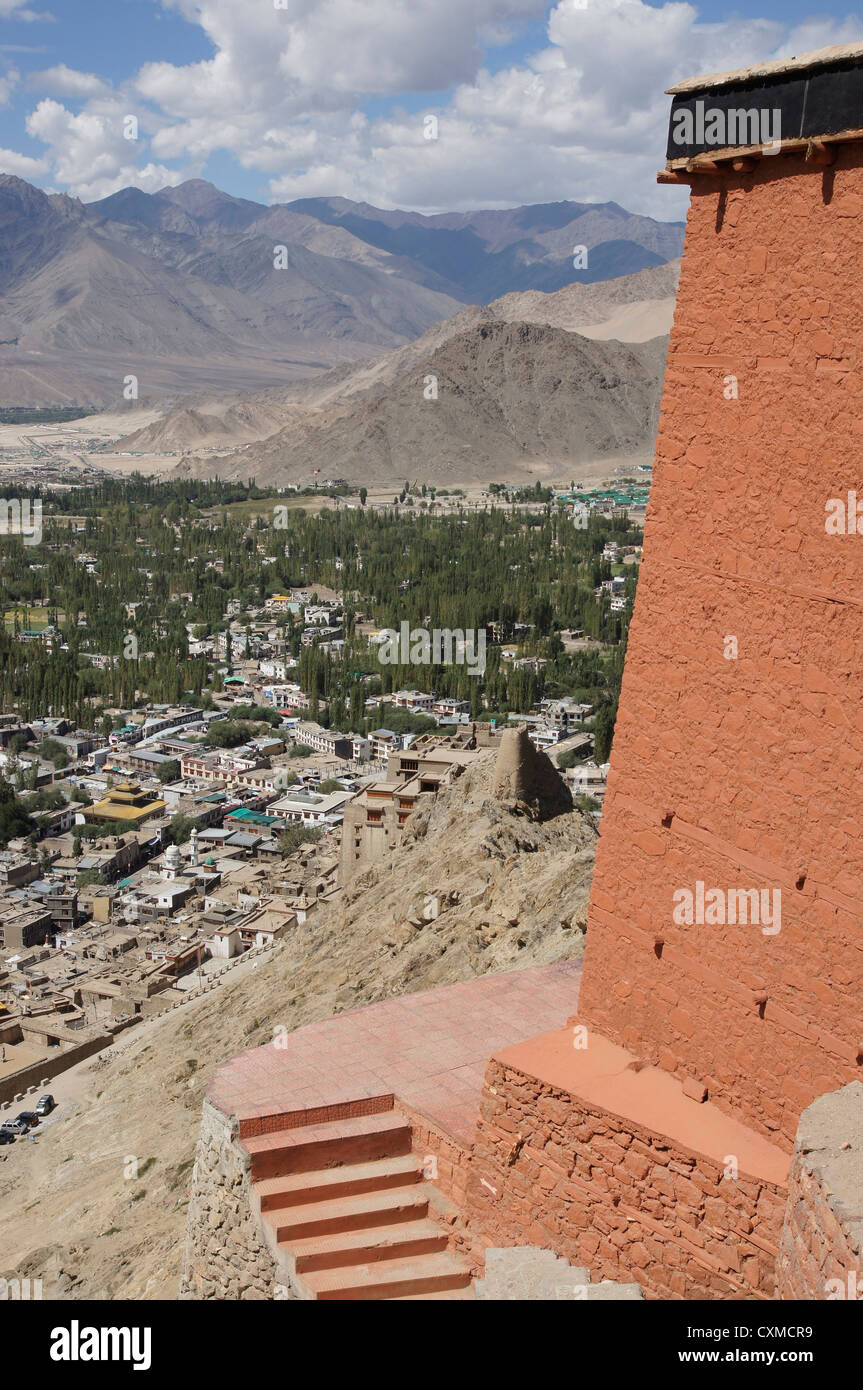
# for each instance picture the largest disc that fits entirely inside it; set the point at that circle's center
(190, 289)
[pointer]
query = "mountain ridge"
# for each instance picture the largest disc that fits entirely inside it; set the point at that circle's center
(175, 286)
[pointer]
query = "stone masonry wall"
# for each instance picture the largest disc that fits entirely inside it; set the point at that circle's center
(738, 752)
(226, 1257)
(626, 1203)
(821, 1250)
(447, 1165)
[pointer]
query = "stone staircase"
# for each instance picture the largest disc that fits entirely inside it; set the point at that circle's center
(347, 1203)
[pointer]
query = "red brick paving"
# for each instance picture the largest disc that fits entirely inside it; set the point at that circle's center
(429, 1049)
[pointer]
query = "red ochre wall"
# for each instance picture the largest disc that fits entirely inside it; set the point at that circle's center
(747, 773)
(554, 1171)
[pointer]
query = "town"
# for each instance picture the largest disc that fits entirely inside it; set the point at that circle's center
(150, 847)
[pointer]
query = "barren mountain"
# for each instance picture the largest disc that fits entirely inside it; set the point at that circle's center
(507, 398)
(632, 308)
(485, 254)
(511, 892)
(190, 289)
(82, 306)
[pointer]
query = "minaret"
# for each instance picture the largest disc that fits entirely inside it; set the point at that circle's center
(193, 854)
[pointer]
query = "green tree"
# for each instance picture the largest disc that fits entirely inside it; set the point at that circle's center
(603, 732)
(14, 820)
(297, 835)
(180, 828)
(54, 752)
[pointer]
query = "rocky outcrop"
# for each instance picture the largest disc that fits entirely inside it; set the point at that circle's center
(821, 1250)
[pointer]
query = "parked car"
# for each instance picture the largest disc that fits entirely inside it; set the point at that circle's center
(28, 1118)
(16, 1127)
(45, 1105)
(6, 1135)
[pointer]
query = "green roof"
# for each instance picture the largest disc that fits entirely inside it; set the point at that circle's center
(253, 817)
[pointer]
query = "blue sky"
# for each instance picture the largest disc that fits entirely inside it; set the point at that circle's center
(276, 99)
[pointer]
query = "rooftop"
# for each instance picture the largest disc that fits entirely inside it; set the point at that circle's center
(792, 67)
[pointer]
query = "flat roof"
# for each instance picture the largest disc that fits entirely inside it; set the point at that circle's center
(780, 67)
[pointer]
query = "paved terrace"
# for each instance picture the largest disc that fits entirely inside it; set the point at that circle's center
(429, 1049)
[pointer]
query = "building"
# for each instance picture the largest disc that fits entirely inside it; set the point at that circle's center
(417, 701)
(62, 902)
(729, 1021)
(566, 713)
(374, 819)
(327, 741)
(23, 925)
(448, 710)
(145, 760)
(125, 802)
(384, 742)
(17, 869)
(324, 635)
(321, 809)
(361, 748)
(224, 766)
(588, 779)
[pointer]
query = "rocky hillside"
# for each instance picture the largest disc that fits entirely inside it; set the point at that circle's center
(512, 400)
(511, 892)
(630, 308)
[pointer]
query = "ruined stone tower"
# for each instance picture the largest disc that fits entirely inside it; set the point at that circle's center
(524, 774)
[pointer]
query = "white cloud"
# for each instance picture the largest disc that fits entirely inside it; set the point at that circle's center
(583, 117)
(89, 152)
(8, 82)
(22, 165)
(18, 10)
(61, 81)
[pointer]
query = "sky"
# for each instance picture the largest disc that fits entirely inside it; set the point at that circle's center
(281, 99)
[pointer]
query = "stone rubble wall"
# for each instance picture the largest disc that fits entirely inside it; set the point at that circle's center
(227, 1256)
(445, 1163)
(620, 1200)
(821, 1250)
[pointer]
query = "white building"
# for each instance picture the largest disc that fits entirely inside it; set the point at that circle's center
(415, 700)
(310, 808)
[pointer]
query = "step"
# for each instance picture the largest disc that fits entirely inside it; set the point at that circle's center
(467, 1292)
(311, 1147)
(401, 1240)
(351, 1213)
(420, 1274)
(295, 1189)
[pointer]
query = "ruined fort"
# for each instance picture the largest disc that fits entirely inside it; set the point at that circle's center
(686, 1115)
